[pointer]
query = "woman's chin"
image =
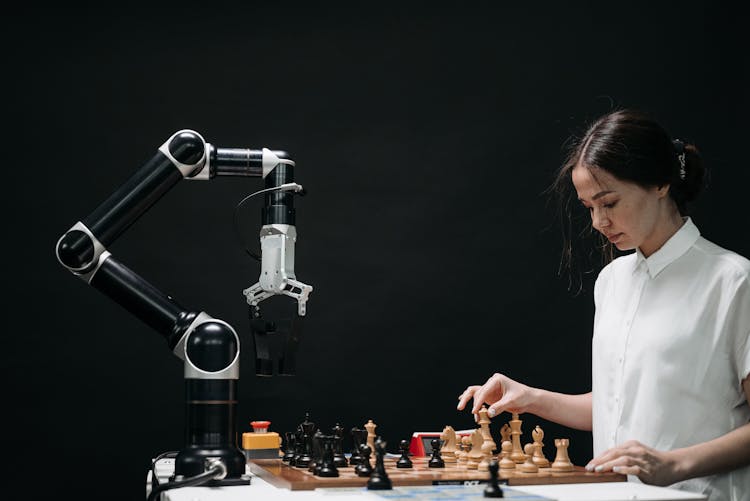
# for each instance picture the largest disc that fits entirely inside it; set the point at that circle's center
(624, 246)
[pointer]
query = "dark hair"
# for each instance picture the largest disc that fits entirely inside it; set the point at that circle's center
(631, 146)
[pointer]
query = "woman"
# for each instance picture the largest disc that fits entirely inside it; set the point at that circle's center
(671, 356)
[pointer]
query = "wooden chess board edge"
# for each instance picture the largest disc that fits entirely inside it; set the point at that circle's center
(280, 475)
(578, 476)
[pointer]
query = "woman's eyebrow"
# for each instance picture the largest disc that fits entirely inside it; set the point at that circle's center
(598, 195)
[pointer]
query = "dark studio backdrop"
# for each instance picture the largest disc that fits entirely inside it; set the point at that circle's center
(426, 138)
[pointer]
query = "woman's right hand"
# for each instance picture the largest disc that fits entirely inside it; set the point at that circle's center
(501, 393)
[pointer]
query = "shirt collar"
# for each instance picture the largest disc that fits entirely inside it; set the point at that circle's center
(673, 248)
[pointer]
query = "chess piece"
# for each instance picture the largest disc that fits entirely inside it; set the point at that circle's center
(562, 461)
(475, 454)
(506, 463)
(288, 446)
(516, 454)
(463, 452)
(448, 450)
(484, 424)
(317, 455)
(539, 459)
(327, 463)
(298, 446)
(404, 461)
(436, 461)
(359, 435)
(338, 450)
(364, 468)
(528, 466)
(505, 433)
(379, 478)
(308, 429)
(484, 464)
(493, 489)
(370, 427)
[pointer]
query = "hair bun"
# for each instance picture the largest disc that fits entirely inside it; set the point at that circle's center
(695, 173)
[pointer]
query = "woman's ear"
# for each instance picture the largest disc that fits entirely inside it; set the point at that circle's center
(662, 191)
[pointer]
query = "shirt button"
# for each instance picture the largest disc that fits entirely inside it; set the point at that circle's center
(619, 360)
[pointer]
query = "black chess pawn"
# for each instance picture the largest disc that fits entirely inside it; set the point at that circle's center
(436, 461)
(327, 466)
(338, 447)
(404, 461)
(379, 478)
(289, 446)
(359, 435)
(364, 468)
(493, 489)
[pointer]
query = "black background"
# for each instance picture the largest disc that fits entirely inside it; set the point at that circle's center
(426, 137)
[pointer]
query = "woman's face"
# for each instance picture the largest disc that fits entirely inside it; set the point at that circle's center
(627, 214)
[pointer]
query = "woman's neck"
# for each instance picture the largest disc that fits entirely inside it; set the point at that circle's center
(673, 221)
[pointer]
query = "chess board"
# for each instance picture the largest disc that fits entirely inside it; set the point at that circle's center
(279, 474)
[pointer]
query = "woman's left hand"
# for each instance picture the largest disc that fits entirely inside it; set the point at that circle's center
(633, 458)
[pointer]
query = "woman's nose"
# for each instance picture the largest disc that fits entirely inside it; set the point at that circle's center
(601, 220)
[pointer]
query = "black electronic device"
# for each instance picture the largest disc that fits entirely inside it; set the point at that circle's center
(209, 347)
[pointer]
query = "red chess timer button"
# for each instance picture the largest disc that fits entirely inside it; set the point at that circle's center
(260, 426)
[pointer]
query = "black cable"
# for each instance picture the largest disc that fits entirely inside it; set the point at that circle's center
(216, 470)
(294, 187)
(168, 454)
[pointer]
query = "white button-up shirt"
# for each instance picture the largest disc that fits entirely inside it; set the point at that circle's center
(670, 350)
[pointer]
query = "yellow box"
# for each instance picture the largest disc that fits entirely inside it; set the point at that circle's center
(261, 443)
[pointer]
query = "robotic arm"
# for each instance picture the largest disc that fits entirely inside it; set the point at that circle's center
(209, 347)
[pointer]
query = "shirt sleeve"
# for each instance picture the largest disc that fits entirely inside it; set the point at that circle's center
(739, 327)
(742, 345)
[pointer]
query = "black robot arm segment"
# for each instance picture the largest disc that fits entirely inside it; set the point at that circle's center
(209, 347)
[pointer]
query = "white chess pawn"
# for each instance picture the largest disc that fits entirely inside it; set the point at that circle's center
(487, 448)
(506, 463)
(528, 466)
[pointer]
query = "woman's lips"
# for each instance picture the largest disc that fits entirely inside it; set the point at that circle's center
(614, 238)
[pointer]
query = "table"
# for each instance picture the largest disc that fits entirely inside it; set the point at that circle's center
(259, 489)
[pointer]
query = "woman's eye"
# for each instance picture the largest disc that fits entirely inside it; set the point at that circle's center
(609, 206)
